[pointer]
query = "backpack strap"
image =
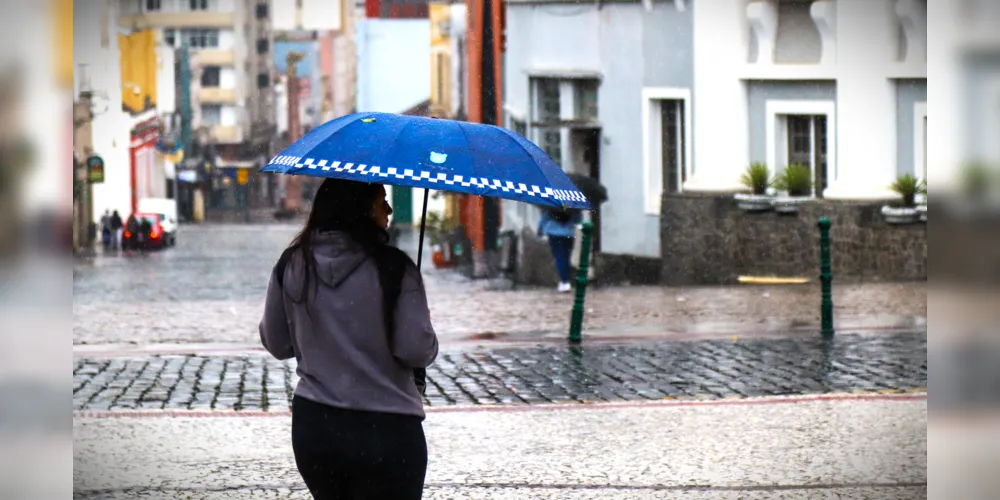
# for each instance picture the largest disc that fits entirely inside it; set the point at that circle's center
(279, 268)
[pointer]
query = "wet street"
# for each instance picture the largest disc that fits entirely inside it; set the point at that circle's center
(712, 392)
(209, 290)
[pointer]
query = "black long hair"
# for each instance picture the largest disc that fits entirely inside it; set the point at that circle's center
(346, 206)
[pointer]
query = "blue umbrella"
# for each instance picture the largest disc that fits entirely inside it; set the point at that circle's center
(444, 155)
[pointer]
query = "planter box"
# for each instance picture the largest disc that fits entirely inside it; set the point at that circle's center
(753, 202)
(922, 210)
(789, 204)
(900, 215)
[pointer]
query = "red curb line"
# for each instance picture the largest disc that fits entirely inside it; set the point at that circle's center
(519, 407)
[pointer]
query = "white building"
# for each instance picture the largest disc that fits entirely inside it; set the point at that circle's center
(233, 43)
(98, 70)
(681, 96)
(837, 84)
(393, 77)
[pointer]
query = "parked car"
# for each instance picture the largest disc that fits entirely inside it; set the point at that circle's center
(167, 210)
(143, 232)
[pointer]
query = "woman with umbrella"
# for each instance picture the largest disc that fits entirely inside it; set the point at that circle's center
(352, 310)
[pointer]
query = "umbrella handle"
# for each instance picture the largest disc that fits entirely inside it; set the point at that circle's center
(423, 226)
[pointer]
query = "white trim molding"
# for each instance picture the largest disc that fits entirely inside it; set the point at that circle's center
(776, 110)
(652, 172)
(919, 137)
(762, 16)
(824, 16)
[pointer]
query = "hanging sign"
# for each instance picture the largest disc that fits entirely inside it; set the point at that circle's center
(95, 169)
(242, 176)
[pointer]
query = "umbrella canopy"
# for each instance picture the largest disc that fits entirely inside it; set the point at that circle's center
(430, 153)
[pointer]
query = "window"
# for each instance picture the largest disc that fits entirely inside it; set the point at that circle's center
(519, 127)
(672, 144)
(170, 37)
(210, 76)
(548, 100)
(211, 114)
(263, 80)
(198, 4)
(807, 146)
(262, 46)
(201, 38)
(666, 144)
(551, 142)
(152, 5)
(262, 11)
(586, 100)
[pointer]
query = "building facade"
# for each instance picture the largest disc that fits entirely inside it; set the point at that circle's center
(578, 81)
(675, 97)
(98, 77)
(235, 91)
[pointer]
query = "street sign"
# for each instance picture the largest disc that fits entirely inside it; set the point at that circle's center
(95, 169)
(242, 176)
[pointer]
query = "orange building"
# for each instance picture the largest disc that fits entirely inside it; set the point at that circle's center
(484, 45)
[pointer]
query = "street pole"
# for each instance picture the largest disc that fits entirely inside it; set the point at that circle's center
(826, 278)
(576, 320)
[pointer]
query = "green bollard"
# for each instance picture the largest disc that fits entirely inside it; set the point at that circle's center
(825, 278)
(576, 320)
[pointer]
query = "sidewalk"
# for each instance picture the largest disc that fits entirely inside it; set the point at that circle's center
(873, 448)
(636, 371)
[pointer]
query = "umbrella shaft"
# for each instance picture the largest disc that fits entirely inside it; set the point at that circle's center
(423, 227)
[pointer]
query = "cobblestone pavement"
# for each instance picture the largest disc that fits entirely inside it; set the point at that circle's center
(847, 448)
(532, 375)
(209, 289)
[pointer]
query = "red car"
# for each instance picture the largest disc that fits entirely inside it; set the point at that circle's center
(142, 232)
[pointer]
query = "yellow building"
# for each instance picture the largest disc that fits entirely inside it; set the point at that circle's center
(439, 14)
(440, 17)
(138, 65)
(63, 10)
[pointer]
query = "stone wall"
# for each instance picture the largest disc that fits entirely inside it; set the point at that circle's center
(707, 240)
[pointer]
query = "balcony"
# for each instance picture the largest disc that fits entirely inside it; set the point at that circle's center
(216, 95)
(216, 57)
(227, 134)
(178, 20)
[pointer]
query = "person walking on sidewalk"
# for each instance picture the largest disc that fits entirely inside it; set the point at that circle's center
(559, 227)
(106, 230)
(353, 312)
(116, 229)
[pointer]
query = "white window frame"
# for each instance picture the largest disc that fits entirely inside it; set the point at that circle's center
(777, 134)
(652, 153)
(919, 140)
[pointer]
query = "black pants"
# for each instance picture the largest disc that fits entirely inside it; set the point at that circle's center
(349, 454)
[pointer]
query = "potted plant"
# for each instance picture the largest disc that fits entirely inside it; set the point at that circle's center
(796, 182)
(437, 229)
(757, 179)
(905, 211)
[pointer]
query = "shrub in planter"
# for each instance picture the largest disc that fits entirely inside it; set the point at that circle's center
(908, 187)
(796, 179)
(757, 178)
(905, 210)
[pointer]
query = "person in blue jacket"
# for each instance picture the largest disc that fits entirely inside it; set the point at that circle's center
(559, 227)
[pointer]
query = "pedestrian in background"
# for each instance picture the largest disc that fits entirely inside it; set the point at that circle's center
(353, 312)
(106, 230)
(559, 227)
(116, 229)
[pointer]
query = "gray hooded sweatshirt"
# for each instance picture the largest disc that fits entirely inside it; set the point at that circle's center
(344, 356)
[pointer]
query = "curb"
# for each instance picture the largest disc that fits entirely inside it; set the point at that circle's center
(916, 394)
